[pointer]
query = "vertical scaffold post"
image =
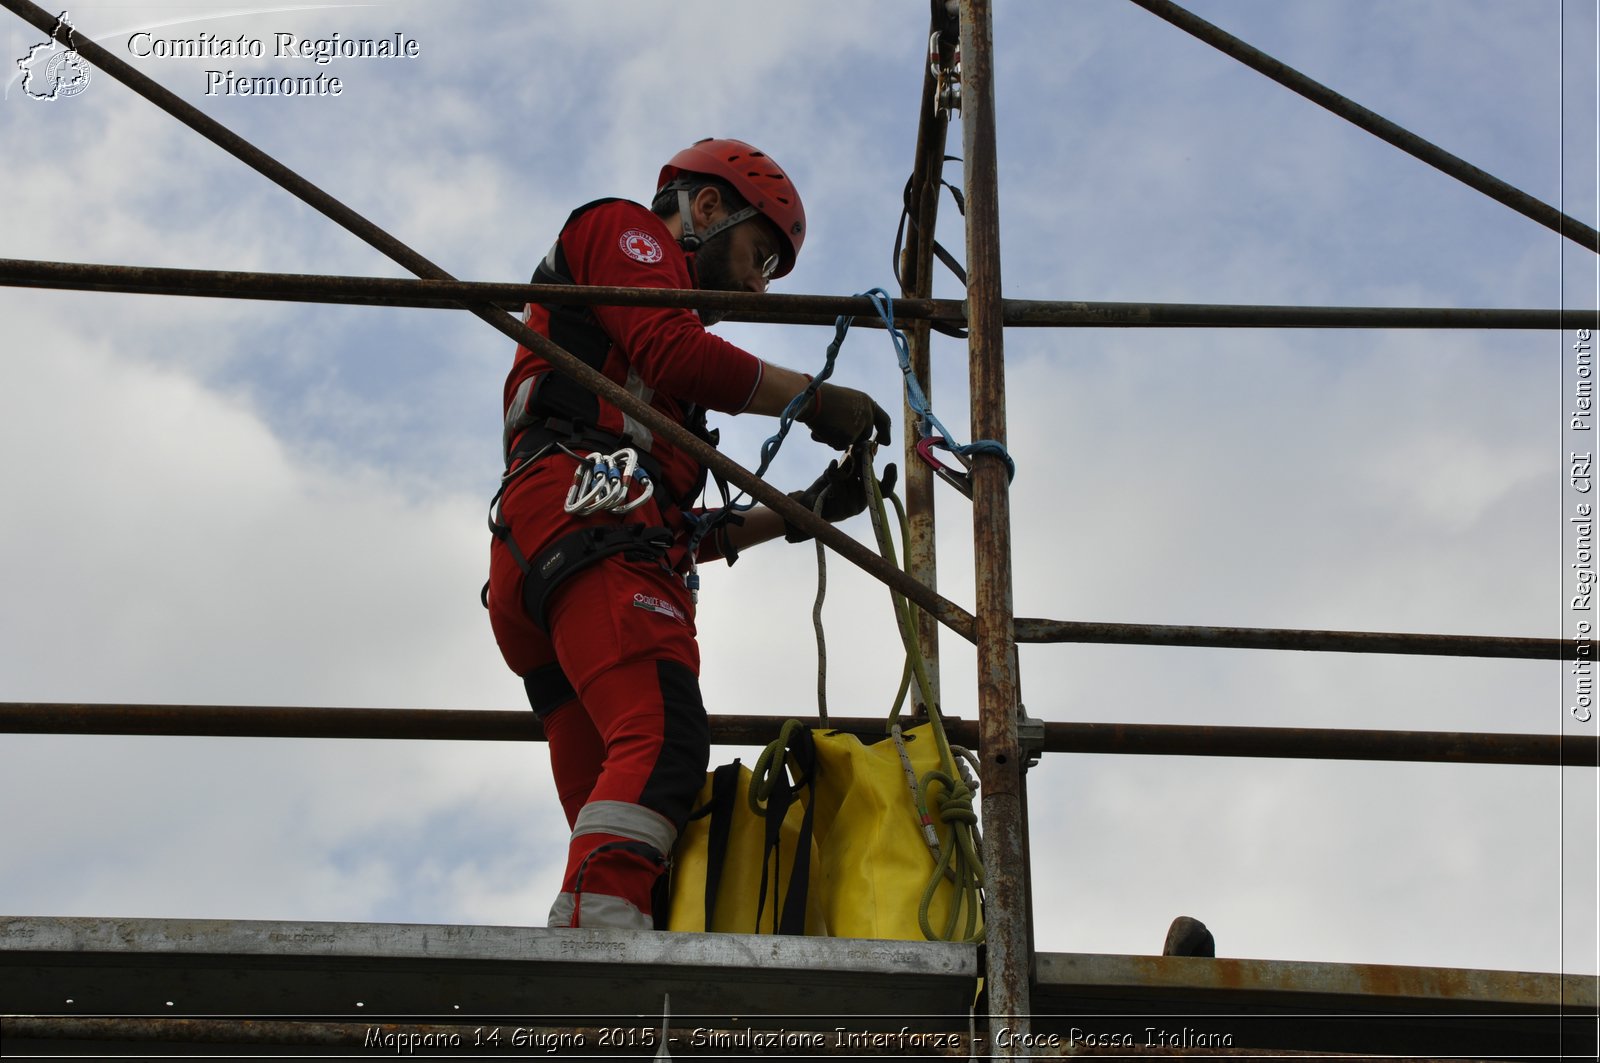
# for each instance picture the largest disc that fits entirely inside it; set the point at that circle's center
(1010, 959)
(916, 273)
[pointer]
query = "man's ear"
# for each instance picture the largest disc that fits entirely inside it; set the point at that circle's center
(705, 205)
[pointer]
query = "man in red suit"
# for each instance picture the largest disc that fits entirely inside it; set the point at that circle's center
(590, 569)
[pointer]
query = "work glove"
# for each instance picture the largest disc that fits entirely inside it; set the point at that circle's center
(840, 417)
(846, 496)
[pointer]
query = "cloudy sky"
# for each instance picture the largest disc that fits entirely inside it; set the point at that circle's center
(230, 502)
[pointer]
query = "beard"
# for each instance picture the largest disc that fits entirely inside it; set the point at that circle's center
(713, 271)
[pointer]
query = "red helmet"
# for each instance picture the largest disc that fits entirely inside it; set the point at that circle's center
(754, 176)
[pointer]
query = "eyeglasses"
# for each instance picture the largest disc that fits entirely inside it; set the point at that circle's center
(769, 266)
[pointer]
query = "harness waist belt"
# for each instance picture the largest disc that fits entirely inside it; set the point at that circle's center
(539, 436)
(576, 551)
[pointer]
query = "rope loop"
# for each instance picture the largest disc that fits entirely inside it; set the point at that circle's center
(768, 766)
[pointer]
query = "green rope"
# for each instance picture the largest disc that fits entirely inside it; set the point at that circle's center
(951, 802)
(768, 764)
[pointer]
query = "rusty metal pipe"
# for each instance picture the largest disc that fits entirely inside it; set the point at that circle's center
(1034, 313)
(1376, 124)
(916, 273)
(748, 306)
(1030, 629)
(493, 725)
(445, 294)
(1009, 956)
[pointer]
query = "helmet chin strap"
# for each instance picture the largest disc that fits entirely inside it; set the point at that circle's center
(692, 241)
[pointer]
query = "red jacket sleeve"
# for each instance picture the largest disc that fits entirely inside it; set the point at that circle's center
(622, 244)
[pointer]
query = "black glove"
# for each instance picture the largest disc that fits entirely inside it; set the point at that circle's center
(846, 496)
(842, 416)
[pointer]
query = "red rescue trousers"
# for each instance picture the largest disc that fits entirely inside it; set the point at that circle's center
(615, 681)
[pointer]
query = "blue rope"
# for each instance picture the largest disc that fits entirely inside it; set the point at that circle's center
(769, 449)
(918, 401)
(883, 303)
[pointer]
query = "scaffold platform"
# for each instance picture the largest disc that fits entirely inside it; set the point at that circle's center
(70, 982)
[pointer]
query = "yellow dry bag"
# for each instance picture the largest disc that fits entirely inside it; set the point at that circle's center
(739, 871)
(843, 849)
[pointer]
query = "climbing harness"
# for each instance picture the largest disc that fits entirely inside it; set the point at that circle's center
(601, 483)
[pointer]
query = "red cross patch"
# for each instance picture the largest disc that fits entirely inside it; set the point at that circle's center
(640, 246)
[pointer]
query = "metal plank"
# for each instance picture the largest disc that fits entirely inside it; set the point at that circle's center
(1089, 1000)
(87, 966)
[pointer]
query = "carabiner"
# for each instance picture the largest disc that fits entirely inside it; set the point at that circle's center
(586, 485)
(601, 482)
(947, 76)
(631, 470)
(961, 481)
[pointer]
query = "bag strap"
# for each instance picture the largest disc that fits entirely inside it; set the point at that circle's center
(778, 802)
(793, 921)
(794, 745)
(724, 789)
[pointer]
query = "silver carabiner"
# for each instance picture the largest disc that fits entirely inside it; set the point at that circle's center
(631, 470)
(586, 485)
(602, 482)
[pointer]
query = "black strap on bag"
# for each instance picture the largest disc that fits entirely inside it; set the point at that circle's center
(724, 792)
(790, 917)
(791, 920)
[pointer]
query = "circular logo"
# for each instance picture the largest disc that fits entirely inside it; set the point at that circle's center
(67, 74)
(640, 246)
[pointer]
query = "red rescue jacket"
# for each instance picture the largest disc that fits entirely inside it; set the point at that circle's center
(663, 355)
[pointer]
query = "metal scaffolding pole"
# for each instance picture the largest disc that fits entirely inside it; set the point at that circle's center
(502, 725)
(749, 306)
(1007, 929)
(916, 278)
(1271, 638)
(1376, 124)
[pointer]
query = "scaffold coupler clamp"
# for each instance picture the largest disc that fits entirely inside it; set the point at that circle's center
(1030, 737)
(947, 75)
(962, 480)
(603, 483)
